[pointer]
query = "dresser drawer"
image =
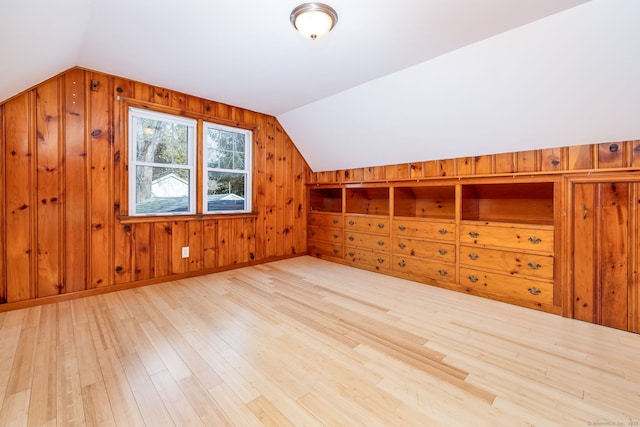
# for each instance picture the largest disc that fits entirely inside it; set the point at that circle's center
(424, 268)
(538, 239)
(376, 242)
(325, 234)
(437, 230)
(328, 220)
(367, 223)
(318, 248)
(377, 260)
(444, 252)
(530, 265)
(507, 286)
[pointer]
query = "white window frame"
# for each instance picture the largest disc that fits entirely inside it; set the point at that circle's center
(138, 113)
(247, 167)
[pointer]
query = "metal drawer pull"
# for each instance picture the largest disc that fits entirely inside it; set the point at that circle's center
(380, 225)
(335, 251)
(352, 238)
(351, 222)
(443, 272)
(473, 234)
(534, 291)
(352, 254)
(473, 256)
(534, 240)
(534, 266)
(472, 279)
(402, 227)
(443, 231)
(380, 260)
(380, 243)
(335, 221)
(402, 264)
(443, 252)
(402, 245)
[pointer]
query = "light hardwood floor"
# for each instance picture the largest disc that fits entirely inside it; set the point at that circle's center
(305, 342)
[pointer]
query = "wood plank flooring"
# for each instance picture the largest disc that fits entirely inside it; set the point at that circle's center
(305, 342)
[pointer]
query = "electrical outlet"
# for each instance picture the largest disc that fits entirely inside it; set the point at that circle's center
(185, 252)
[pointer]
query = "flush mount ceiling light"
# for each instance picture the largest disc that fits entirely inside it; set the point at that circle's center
(314, 20)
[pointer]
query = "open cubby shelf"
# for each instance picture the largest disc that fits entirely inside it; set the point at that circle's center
(326, 200)
(368, 201)
(425, 202)
(525, 203)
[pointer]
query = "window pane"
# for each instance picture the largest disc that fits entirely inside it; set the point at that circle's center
(161, 190)
(226, 191)
(160, 141)
(225, 149)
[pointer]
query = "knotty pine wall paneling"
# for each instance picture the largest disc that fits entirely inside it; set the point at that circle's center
(64, 183)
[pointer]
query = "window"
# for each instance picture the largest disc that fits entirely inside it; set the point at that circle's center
(227, 166)
(164, 170)
(161, 164)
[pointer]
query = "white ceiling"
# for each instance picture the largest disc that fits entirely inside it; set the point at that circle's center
(397, 81)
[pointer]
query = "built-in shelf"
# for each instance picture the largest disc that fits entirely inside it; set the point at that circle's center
(524, 203)
(368, 201)
(325, 200)
(425, 202)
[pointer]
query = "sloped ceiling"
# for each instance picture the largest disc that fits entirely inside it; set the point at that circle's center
(397, 81)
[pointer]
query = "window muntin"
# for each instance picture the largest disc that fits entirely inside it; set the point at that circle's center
(161, 163)
(227, 169)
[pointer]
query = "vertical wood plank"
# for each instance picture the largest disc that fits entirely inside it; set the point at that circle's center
(124, 245)
(223, 246)
(178, 241)
(552, 159)
(614, 257)
(583, 245)
(580, 157)
(403, 171)
(391, 172)
(124, 237)
(289, 202)
(527, 161)
(446, 167)
(611, 155)
(259, 188)
(281, 196)
(195, 243)
(209, 245)
(464, 165)
(635, 154)
(143, 260)
(48, 192)
(374, 173)
(415, 170)
(76, 188)
(505, 163)
(430, 168)
(483, 165)
(18, 193)
(270, 235)
(101, 139)
(161, 246)
(299, 202)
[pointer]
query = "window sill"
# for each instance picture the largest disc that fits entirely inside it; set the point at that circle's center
(197, 217)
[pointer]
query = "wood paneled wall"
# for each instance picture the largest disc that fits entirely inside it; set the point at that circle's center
(606, 156)
(63, 193)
